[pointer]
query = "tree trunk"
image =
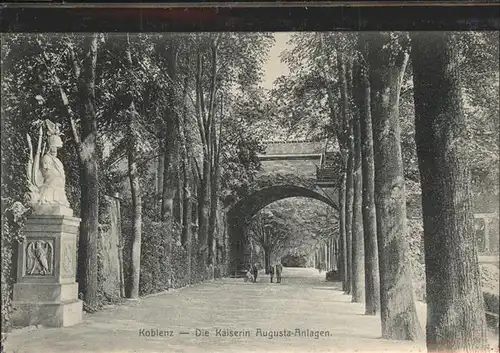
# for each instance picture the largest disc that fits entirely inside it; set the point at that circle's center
(186, 199)
(137, 222)
(214, 189)
(344, 134)
(189, 247)
(185, 170)
(204, 204)
(169, 174)
(331, 250)
(209, 142)
(159, 173)
(267, 261)
(357, 246)
(179, 186)
(135, 189)
(89, 176)
(330, 254)
(358, 265)
(187, 230)
(203, 129)
(455, 306)
(349, 200)
(186, 237)
(339, 256)
(325, 252)
(372, 280)
(171, 144)
(89, 231)
(186, 203)
(214, 186)
(398, 314)
(178, 199)
(343, 237)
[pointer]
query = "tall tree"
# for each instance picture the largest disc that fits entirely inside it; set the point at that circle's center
(214, 149)
(84, 128)
(387, 58)
(344, 275)
(348, 147)
(223, 78)
(187, 178)
(271, 232)
(133, 174)
(216, 139)
(349, 203)
(455, 314)
(205, 110)
(186, 168)
(372, 281)
(129, 105)
(358, 270)
(313, 102)
(170, 126)
(89, 177)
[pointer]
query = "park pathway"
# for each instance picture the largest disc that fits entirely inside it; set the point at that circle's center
(304, 301)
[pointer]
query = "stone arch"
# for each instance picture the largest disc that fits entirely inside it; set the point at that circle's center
(240, 214)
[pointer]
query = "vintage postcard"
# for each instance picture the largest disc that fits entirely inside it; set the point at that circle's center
(250, 177)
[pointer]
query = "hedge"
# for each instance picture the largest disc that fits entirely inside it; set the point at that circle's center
(164, 260)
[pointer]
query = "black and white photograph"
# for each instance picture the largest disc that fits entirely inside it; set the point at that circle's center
(225, 191)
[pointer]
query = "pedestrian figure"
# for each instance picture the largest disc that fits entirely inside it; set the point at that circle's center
(279, 269)
(271, 272)
(249, 277)
(321, 267)
(255, 271)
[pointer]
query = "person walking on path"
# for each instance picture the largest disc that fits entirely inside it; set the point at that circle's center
(255, 271)
(321, 267)
(271, 272)
(279, 269)
(249, 277)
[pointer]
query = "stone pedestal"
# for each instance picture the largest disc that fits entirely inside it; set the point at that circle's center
(46, 292)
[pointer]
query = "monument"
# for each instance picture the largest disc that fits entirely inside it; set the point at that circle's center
(46, 292)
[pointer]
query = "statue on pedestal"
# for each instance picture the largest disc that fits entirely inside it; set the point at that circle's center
(46, 175)
(46, 291)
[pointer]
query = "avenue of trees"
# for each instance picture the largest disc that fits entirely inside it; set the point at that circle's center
(293, 227)
(184, 100)
(407, 111)
(404, 111)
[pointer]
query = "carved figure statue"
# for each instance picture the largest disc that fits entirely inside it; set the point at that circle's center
(46, 177)
(39, 258)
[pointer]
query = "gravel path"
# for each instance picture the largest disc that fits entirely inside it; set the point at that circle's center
(304, 313)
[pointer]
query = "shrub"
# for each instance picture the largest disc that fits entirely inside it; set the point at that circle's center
(156, 275)
(180, 273)
(489, 278)
(294, 260)
(333, 276)
(491, 302)
(13, 218)
(199, 270)
(164, 260)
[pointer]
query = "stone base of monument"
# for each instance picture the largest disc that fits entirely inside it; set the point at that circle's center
(46, 292)
(47, 314)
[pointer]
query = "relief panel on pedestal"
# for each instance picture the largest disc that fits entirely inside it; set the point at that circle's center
(68, 254)
(39, 257)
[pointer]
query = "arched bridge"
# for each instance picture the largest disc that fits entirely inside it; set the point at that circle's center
(288, 169)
